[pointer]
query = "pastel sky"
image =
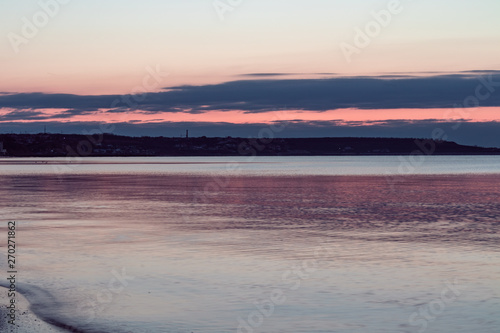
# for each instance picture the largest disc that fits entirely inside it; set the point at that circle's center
(64, 63)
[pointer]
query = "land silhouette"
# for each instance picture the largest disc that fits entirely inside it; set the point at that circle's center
(58, 145)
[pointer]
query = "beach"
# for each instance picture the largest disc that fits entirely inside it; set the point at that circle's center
(26, 321)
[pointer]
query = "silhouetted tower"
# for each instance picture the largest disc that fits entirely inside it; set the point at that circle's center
(187, 134)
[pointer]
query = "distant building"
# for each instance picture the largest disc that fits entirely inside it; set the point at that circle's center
(3, 152)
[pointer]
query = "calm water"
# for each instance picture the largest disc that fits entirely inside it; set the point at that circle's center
(322, 244)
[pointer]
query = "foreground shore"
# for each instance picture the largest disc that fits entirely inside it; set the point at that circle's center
(26, 320)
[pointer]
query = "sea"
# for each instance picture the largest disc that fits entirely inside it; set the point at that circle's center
(256, 244)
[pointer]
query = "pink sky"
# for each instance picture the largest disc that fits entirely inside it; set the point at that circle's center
(481, 114)
(107, 48)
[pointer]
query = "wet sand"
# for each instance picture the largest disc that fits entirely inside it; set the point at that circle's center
(26, 320)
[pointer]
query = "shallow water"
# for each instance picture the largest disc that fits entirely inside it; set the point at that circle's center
(319, 245)
(390, 166)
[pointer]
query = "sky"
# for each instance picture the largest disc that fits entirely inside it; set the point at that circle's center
(393, 68)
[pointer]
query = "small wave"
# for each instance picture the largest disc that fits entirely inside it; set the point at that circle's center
(49, 309)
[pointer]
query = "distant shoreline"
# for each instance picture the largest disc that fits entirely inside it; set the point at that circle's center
(109, 145)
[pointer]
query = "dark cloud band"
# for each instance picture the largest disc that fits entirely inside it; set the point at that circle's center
(253, 96)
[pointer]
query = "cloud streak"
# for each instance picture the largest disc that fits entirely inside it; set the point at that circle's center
(263, 95)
